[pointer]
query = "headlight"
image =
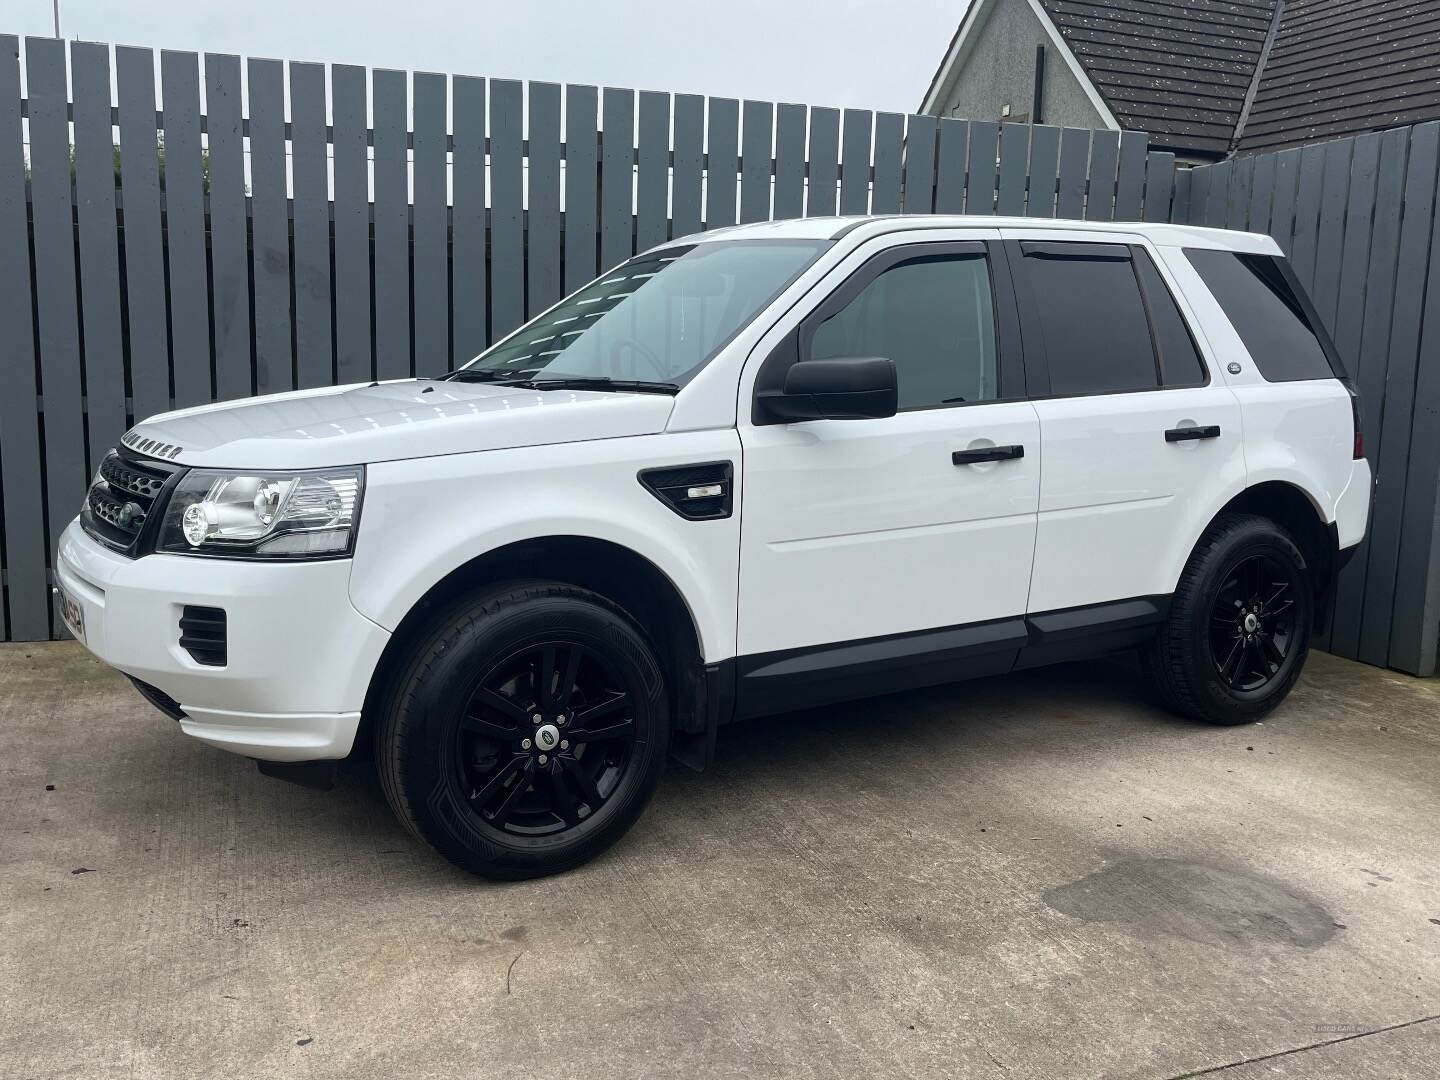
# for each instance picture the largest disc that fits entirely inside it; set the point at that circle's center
(294, 515)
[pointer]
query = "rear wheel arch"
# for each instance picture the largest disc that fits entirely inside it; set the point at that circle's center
(1293, 509)
(619, 574)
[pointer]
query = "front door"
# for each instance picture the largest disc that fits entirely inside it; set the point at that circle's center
(899, 548)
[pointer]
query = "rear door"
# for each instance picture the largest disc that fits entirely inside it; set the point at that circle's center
(1140, 436)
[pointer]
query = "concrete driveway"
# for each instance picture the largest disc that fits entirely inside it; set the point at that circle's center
(1035, 876)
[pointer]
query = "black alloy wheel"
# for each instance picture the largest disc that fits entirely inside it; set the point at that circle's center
(526, 731)
(546, 739)
(1235, 637)
(1252, 621)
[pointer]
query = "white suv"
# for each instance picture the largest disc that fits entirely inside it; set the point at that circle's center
(746, 472)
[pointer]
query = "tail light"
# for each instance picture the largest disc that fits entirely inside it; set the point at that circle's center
(1358, 450)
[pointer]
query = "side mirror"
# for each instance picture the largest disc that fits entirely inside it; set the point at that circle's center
(843, 388)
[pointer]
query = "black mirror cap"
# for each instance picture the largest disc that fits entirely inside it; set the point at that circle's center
(839, 388)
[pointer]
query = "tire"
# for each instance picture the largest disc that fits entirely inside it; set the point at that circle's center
(463, 762)
(1223, 656)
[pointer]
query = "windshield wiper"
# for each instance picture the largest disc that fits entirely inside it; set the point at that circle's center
(479, 375)
(596, 382)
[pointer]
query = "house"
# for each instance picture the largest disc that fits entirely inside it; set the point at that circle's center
(1205, 78)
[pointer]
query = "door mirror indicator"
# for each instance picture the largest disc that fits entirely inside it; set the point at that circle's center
(839, 388)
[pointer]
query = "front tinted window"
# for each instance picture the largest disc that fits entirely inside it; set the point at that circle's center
(934, 316)
(659, 317)
(1097, 339)
(1265, 312)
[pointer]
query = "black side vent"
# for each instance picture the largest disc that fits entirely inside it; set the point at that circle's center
(697, 492)
(202, 634)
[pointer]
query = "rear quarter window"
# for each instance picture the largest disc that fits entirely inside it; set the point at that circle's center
(1267, 312)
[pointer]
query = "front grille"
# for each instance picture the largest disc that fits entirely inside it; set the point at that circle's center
(122, 498)
(202, 634)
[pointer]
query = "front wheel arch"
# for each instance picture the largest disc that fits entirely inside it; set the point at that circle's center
(617, 573)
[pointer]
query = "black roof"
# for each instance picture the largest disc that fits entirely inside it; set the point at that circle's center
(1184, 70)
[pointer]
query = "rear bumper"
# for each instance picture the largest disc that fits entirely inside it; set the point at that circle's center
(1352, 509)
(299, 657)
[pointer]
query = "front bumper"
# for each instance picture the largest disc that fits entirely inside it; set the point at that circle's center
(299, 656)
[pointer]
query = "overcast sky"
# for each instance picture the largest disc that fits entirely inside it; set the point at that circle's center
(822, 52)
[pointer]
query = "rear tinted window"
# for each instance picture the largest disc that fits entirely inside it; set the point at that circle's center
(1265, 311)
(1180, 363)
(1097, 340)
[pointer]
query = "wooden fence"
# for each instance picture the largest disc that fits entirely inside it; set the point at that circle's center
(216, 247)
(1357, 218)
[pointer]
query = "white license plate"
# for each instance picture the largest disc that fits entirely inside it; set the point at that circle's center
(72, 614)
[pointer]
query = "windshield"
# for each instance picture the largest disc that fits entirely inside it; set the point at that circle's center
(658, 318)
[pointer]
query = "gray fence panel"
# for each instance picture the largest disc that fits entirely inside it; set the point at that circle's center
(20, 477)
(789, 161)
(185, 235)
(1217, 194)
(430, 262)
(1130, 179)
(1242, 180)
(269, 228)
(354, 350)
(467, 220)
(1104, 162)
(1198, 196)
(1282, 207)
(58, 330)
(889, 147)
(507, 201)
(1262, 193)
(314, 355)
(542, 231)
(1389, 442)
(1360, 325)
(1416, 617)
(149, 341)
(855, 163)
(652, 218)
(391, 164)
(824, 159)
(1074, 173)
(954, 147)
(1180, 199)
(617, 177)
(229, 229)
(722, 152)
(1044, 171)
(103, 350)
(1014, 169)
(582, 186)
(686, 183)
(1308, 186)
(919, 197)
(759, 119)
(982, 167)
(1330, 239)
(1159, 185)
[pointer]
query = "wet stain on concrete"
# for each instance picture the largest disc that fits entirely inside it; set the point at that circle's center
(1203, 902)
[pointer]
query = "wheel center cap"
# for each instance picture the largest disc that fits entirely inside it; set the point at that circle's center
(1251, 623)
(547, 737)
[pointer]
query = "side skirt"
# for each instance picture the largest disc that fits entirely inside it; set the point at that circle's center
(822, 674)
